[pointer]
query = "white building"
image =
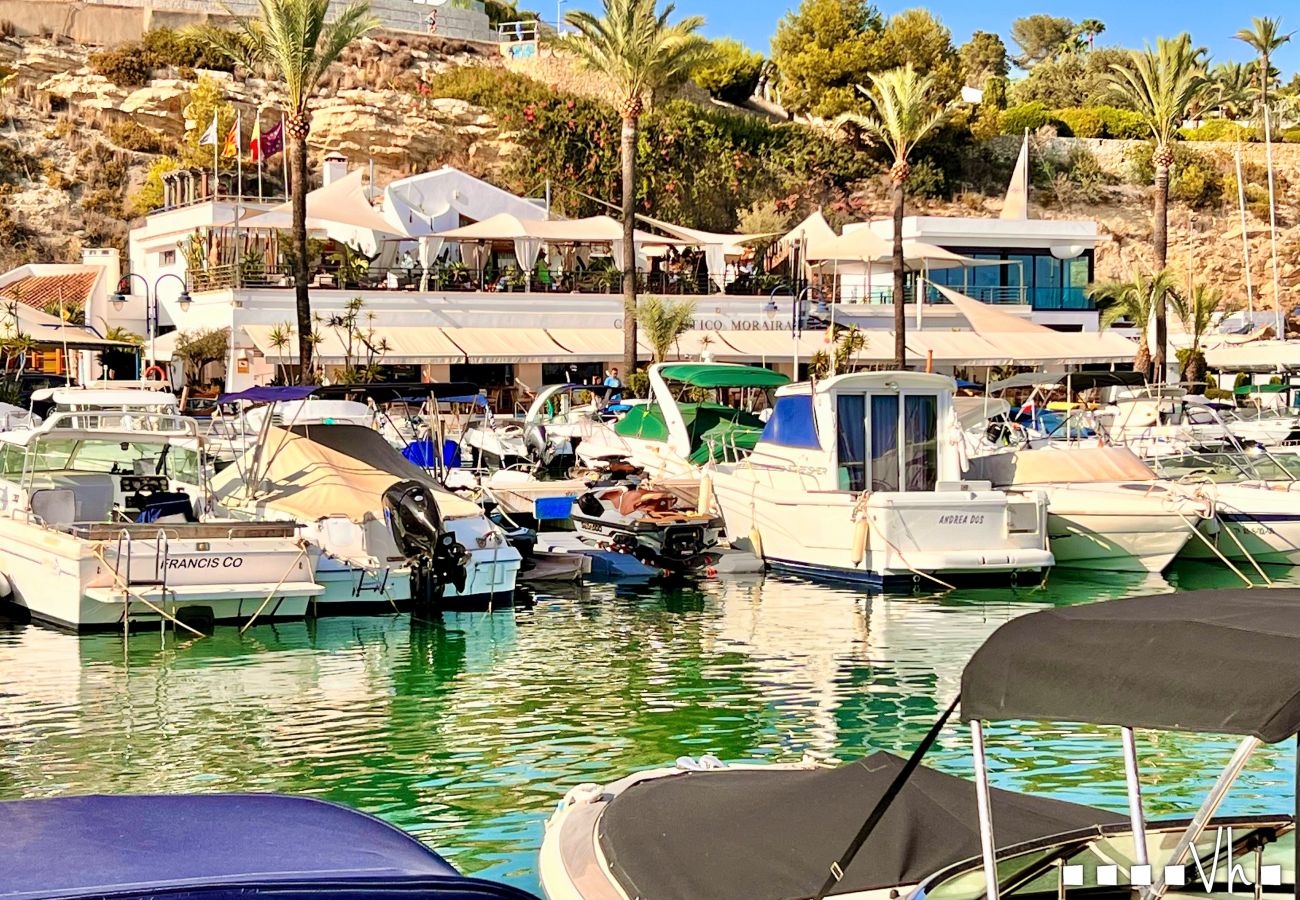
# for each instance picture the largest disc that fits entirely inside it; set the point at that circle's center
(528, 336)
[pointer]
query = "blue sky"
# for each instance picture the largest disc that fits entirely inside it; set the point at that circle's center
(1211, 24)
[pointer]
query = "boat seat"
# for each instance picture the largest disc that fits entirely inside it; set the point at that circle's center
(94, 492)
(56, 508)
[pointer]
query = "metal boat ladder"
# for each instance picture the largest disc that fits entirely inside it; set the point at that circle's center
(133, 578)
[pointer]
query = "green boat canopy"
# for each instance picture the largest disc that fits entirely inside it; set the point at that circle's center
(1260, 389)
(713, 375)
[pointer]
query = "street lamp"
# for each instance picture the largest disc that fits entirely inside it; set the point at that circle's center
(150, 302)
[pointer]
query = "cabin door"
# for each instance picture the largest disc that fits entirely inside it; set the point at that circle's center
(887, 442)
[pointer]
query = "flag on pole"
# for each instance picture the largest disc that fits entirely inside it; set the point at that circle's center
(273, 141)
(255, 140)
(230, 149)
(210, 136)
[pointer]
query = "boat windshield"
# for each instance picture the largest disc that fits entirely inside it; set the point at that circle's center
(1104, 865)
(1226, 468)
(101, 455)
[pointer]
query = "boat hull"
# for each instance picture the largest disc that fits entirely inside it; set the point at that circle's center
(60, 579)
(1116, 543)
(972, 534)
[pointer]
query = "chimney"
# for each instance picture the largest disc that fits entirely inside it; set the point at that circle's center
(336, 167)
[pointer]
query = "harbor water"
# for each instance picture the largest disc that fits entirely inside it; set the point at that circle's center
(467, 728)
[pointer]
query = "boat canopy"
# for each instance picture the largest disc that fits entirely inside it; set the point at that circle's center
(368, 446)
(1078, 465)
(168, 845)
(270, 394)
(717, 375)
(1077, 381)
(388, 392)
(1170, 662)
(766, 833)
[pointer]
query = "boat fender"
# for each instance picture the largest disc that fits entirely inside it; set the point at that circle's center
(586, 792)
(706, 495)
(861, 535)
(756, 542)
(6, 586)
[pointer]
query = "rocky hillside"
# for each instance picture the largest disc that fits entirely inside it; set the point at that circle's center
(76, 149)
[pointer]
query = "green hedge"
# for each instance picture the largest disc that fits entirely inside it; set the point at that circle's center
(1030, 117)
(1083, 122)
(1221, 130)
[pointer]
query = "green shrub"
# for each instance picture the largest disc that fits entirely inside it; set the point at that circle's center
(1122, 124)
(927, 180)
(1289, 135)
(1030, 116)
(168, 47)
(733, 73)
(130, 135)
(1083, 122)
(1220, 130)
(126, 66)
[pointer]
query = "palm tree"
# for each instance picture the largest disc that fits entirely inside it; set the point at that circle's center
(639, 52)
(1233, 89)
(1196, 313)
(1090, 28)
(292, 42)
(1161, 85)
(1265, 37)
(664, 322)
(906, 111)
(1138, 301)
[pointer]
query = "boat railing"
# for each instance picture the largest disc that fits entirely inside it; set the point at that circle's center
(122, 421)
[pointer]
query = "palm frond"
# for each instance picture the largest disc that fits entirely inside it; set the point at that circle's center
(635, 46)
(905, 109)
(1161, 84)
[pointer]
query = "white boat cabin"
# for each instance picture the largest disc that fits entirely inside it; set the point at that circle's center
(879, 431)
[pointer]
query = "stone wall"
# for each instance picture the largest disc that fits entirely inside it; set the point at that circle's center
(109, 22)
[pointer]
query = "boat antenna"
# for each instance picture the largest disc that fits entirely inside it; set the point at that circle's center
(840, 866)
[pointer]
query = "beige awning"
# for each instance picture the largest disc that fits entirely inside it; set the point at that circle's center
(50, 331)
(507, 345)
(403, 345)
(814, 232)
(984, 317)
(341, 209)
(955, 348)
(593, 344)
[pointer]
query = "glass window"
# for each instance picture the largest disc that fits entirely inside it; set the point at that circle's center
(986, 276)
(884, 442)
(921, 442)
(1047, 282)
(1076, 283)
(851, 441)
(11, 460)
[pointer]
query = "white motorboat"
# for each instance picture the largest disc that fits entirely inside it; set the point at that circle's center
(346, 509)
(1105, 508)
(491, 564)
(1255, 503)
(99, 527)
(676, 433)
(859, 478)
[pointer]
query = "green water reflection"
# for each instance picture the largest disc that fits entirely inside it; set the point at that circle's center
(466, 729)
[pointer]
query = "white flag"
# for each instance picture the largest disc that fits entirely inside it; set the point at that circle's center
(210, 136)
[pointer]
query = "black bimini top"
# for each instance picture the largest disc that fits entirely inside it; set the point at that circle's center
(1221, 661)
(770, 834)
(366, 445)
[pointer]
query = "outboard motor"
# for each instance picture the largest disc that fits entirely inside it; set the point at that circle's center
(436, 557)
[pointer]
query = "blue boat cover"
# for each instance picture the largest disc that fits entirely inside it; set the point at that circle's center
(792, 423)
(270, 393)
(102, 846)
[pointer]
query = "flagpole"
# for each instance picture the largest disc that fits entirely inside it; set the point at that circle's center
(284, 156)
(239, 194)
(257, 134)
(216, 156)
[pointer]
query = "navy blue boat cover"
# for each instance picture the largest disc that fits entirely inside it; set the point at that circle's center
(271, 394)
(100, 846)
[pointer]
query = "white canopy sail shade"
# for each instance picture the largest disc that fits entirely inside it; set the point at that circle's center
(342, 210)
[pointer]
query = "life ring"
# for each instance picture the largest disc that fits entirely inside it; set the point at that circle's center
(162, 374)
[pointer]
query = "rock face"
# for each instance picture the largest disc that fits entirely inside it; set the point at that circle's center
(371, 114)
